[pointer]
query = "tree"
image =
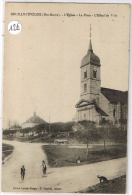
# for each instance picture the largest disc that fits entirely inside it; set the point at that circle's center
(105, 127)
(89, 128)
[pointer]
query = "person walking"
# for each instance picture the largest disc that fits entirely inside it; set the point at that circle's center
(23, 172)
(44, 167)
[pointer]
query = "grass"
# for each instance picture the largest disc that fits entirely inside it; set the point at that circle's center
(114, 186)
(6, 150)
(60, 155)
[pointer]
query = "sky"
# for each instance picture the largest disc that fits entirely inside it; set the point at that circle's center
(42, 62)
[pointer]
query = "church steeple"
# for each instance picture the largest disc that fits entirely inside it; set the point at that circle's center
(90, 49)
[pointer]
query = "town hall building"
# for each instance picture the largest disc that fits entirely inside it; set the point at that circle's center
(97, 103)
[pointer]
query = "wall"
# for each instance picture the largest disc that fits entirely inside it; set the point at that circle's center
(88, 113)
(26, 125)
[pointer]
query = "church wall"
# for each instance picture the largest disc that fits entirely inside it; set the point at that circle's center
(125, 112)
(88, 114)
(118, 111)
(95, 86)
(95, 90)
(87, 93)
(114, 112)
(111, 109)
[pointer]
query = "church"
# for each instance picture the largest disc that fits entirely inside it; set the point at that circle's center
(98, 103)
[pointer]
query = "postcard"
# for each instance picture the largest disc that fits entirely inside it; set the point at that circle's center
(65, 98)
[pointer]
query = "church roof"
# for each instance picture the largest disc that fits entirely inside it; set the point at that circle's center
(100, 111)
(35, 119)
(115, 96)
(90, 57)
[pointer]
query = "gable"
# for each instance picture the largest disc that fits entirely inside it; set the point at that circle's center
(84, 102)
(85, 105)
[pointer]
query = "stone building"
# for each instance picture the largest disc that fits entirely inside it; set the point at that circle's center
(97, 103)
(33, 121)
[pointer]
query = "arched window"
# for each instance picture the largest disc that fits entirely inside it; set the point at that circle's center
(85, 87)
(94, 73)
(85, 74)
(114, 112)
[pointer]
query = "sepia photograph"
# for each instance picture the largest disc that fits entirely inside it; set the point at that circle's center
(65, 98)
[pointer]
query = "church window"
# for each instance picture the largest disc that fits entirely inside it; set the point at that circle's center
(85, 87)
(114, 112)
(85, 74)
(94, 73)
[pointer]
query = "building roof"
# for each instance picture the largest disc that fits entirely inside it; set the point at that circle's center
(100, 111)
(115, 96)
(90, 57)
(35, 119)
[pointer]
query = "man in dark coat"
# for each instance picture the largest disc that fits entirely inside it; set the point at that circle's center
(44, 167)
(23, 172)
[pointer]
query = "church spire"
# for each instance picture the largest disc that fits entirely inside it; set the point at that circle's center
(90, 43)
(90, 47)
(90, 31)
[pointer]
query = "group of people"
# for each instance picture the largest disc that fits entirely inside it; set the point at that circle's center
(23, 170)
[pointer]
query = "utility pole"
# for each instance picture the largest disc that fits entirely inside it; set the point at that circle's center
(9, 125)
(88, 135)
(49, 129)
(88, 141)
(104, 137)
(121, 117)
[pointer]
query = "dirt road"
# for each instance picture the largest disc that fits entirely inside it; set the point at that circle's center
(65, 179)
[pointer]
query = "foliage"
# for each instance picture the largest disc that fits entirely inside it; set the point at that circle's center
(89, 132)
(7, 132)
(62, 127)
(114, 186)
(54, 127)
(84, 131)
(6, 150)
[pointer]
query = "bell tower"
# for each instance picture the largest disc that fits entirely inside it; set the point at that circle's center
(90, 75)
